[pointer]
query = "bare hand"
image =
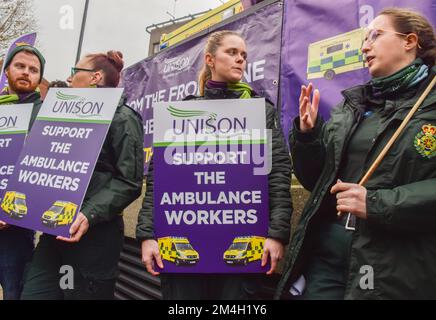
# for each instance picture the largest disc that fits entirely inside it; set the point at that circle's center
(351, 198)
(151, 255)
(77, 229)
(308, 109)
(3, 225)
(274, 249)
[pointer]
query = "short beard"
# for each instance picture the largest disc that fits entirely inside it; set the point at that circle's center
(21, 90)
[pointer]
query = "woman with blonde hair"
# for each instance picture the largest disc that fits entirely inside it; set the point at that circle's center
(225, 59)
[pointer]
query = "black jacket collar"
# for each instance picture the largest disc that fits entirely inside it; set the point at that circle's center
(219, 93)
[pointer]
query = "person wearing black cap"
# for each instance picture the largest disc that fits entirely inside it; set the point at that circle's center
(24, 68)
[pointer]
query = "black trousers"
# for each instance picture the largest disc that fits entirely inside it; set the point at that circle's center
(92, 263)
(210, 286)
(16, 248)
(326, 273)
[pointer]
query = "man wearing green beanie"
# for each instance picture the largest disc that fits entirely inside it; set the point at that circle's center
(24, 68)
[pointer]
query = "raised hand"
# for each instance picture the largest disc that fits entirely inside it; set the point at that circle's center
(308, 109)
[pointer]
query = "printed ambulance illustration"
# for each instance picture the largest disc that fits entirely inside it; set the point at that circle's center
(335, 55)
(244, 250)
(14, 204)
(60, 213)
(178, 250)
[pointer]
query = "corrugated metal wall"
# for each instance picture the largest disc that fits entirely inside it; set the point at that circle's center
(134, 281)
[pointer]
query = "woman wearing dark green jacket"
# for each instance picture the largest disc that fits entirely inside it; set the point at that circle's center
(225, 61)
(97, 234)
(390, 254)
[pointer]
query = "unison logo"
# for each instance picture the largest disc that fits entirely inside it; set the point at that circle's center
(176, 64)
(199, 121)
(8, 122)
(77, 105)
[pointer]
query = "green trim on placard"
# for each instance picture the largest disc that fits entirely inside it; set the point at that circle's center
(14, 132)
(74, 120)
(201, 143)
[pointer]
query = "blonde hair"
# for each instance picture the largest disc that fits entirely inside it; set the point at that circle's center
(213, 43)
(408, 21)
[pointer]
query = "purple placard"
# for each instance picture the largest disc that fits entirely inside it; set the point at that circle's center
(27, 39)
(198, 227)
(172, 74)
(56, 164)
(10, 147)
(308, 21)
(14, 123)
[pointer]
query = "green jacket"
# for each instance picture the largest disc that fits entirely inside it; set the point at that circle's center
(279, 179)
(35, 98)
(118, 174)
(398, 239)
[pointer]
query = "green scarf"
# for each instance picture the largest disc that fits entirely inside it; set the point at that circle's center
(9, 99)
(406, 78)
(244, 88)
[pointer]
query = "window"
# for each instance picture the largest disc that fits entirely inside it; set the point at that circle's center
(228, 13)
(336, 47)
(155, 47)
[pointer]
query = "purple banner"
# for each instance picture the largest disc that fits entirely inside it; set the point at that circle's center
(27, 39)
(172, 74)
(56, 164)
(317, 31)
(209, 219)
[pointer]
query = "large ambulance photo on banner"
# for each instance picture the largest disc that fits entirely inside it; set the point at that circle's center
(322, 45)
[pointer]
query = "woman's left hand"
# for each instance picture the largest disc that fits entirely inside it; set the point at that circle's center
(351, 198)
(77, 229)
(274, 249)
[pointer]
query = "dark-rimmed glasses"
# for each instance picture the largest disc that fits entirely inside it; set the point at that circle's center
(74, 70)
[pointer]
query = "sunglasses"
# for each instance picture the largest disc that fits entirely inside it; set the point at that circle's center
(74, 70)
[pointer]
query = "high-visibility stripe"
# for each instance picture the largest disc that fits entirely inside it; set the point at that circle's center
(326, 60)
(338, 57)
(351, 53)
(339, 63)
(327, 66)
